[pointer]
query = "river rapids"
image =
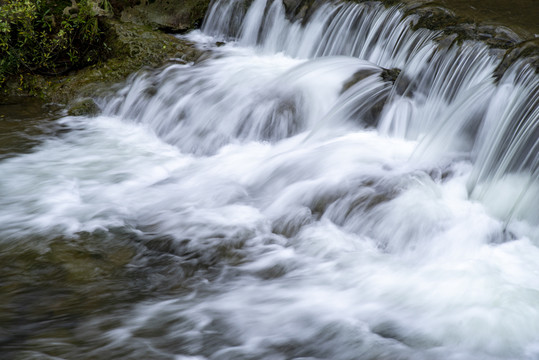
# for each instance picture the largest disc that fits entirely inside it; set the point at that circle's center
(332, 187)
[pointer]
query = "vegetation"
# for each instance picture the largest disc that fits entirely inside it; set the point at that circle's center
(49, 37)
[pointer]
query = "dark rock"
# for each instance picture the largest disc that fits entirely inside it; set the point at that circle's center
(528, 51)
(402, 84)
(168, 15)
(369, 113)
(301, 10)
(501, 37)
(390, 75)
(85, 106)
(292, 6)
(355, 78)
(433, 17)
(459, 28)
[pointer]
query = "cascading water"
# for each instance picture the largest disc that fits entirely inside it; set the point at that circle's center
(292, 196)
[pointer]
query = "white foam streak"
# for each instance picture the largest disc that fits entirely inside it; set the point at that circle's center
(367, 31)
(507, 151)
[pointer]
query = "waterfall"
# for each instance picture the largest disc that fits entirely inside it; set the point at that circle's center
(507, 146)
(367, 31)
(445, 92)
(442, 96)
(325, 183)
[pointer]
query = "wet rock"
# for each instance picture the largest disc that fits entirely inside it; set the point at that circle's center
(82, 263)
(369, 112)
(527, 51)
(85, 106)
(458, 22)
(291, 223)
(301, 9)
(293, 7)
(433, 18)
(497, 36)
(355, 78)
(402, 84)
(168, 15)
(390, 75)
(460, 28)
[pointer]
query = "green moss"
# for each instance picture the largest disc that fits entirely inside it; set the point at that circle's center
(84, 106)
(130, 48)
(48, 37)
(171, 16)
(527, 51)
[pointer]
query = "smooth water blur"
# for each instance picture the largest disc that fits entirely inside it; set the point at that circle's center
(365, 30)
(282, 206)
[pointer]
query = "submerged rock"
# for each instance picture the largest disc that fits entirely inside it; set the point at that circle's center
(355, 78)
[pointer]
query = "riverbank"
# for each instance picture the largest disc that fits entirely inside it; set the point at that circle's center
(128, 45)
(132, 47)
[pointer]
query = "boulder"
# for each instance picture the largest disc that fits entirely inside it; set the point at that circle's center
(84, 106)
(168, 15)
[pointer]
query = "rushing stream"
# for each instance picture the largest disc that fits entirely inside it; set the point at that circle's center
(292, 196)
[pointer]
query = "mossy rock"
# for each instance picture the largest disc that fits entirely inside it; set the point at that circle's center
(528, 51)
(301, 10)
(357, 77)
(168, 15)
(434, 18)
(84, 106)
(131, 48)
(390, 75)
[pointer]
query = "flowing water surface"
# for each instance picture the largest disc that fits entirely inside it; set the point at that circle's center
(288, 197)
